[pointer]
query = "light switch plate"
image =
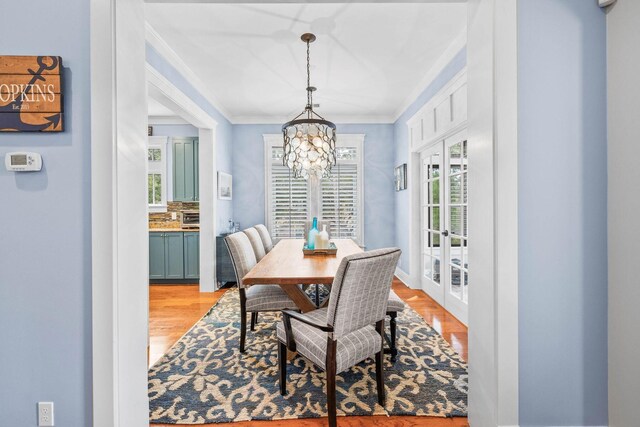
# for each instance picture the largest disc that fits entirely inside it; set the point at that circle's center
(45, 414)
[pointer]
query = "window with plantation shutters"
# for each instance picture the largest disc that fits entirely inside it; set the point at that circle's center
(291, 202)
(339, 201)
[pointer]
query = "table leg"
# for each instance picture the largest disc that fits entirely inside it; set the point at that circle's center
(299, 297)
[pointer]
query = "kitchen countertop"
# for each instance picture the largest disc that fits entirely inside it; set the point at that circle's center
(168, 230)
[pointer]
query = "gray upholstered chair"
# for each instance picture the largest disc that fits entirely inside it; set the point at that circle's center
(255, 298)
(267, 242)
(256, 242)
(342, 334)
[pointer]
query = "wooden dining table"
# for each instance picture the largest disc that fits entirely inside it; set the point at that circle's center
(286, 265)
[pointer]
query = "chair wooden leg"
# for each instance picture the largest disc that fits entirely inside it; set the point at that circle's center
(331, 382)
(392, 330)
(254, 320)
(282, 362)
(243, 320)
(380, 365)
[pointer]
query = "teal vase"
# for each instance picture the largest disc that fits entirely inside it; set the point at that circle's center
(311, 241)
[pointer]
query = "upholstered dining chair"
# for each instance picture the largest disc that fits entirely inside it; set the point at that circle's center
(342, 334)
(267, 242)
(256, 242)
(259, 252)
(254, 298)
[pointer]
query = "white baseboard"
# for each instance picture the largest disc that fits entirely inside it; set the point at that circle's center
(553, 426)
(404, 277)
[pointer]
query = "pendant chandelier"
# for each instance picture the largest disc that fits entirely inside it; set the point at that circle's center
(309, 139)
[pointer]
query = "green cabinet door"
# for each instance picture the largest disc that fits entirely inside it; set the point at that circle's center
(156, 255)
(185, 169)
(191, 255)
(174, 255)
(178, 171)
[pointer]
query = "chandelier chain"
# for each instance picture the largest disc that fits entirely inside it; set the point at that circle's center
(309, 93)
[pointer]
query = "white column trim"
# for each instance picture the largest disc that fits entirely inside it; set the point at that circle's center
(119, 237)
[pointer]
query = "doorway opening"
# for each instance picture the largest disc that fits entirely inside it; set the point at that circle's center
(119, 387)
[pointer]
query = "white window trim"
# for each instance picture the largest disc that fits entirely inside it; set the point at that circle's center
(344, 140)
(161, 143)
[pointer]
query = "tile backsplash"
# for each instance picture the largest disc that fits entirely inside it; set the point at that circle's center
(163, 219)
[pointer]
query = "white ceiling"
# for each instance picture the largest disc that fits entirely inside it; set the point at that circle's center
(368, 62)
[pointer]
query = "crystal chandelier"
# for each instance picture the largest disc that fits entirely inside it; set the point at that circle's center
(309, 139)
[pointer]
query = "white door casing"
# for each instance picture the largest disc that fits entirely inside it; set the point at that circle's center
(119, 335)
(163, 91)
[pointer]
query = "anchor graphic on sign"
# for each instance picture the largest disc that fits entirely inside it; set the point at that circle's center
(14, 121)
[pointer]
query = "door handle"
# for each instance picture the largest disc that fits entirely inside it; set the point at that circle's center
(445, 233)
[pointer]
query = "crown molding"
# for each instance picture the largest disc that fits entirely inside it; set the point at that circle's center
(447, 56)
(338, 120)
(162, 47)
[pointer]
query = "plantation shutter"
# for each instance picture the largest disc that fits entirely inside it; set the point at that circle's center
(340, 197)
(289, 201)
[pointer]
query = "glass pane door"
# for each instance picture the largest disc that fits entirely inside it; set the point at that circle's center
(444, 213)
(431, 206)
(457, 260)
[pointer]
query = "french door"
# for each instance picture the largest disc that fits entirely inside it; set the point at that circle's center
(444, 212)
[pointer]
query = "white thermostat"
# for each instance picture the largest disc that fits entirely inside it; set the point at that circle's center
(23, 161)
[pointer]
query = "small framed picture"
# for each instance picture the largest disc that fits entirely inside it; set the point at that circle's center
(225, 186)
(401, 177)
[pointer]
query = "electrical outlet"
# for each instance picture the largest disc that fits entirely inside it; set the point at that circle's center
(45, 414)
(174, 216)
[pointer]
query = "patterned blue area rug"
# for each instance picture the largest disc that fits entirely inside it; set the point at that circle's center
(205, 379)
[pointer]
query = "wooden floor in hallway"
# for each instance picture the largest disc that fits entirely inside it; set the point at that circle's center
(173, 309)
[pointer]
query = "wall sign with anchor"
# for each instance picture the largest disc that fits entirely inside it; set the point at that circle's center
(31, 96)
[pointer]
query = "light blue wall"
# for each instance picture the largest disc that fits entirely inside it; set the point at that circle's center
(223, 131)
(249, 178)
(401, 135)
(45, 232)
(562, 213)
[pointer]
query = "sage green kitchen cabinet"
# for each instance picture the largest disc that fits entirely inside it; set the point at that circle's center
(156, 256)
(185, 169)
(174, 255)
(191, 255)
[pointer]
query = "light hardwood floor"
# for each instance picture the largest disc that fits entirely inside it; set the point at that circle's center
(174, 309)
